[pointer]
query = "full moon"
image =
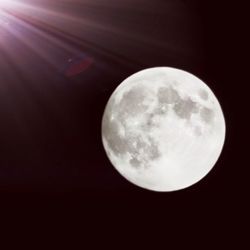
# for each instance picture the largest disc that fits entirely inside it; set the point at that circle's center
(163, 129)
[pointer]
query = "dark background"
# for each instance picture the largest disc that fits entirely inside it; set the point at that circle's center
(51, 156)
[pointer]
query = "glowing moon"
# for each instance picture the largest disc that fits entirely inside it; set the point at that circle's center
(163, 129)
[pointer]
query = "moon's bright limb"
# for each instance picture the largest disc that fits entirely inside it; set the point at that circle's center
(163, 129)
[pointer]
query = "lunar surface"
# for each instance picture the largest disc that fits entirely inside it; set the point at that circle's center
(163, 129)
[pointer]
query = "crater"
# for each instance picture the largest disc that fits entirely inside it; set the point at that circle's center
(145, 150)
(132, 102)
(149, 122)
(152, 150)
(203, 94)
(207, 114)
(185, 108)
(167, 95)
(135, 162)
(161, 110)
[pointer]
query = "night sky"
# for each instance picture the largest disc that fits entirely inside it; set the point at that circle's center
(50, 122)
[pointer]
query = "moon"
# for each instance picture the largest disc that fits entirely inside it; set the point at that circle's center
(163, 129)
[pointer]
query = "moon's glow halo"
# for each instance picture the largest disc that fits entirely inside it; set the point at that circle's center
(163, 129)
